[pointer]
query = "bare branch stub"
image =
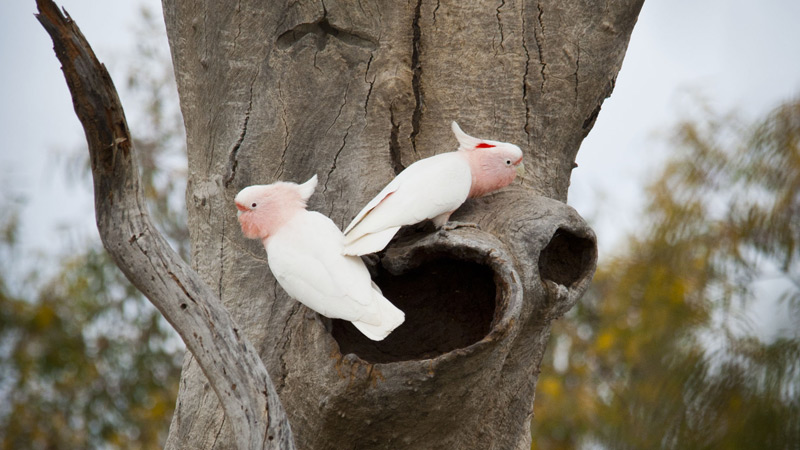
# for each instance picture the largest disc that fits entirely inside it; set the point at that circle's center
(556, 250)
(230, 362)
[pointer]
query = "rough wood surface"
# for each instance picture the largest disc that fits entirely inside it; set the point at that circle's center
(355, 90)
(227, 359)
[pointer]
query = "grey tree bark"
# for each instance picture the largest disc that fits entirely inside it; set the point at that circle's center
(354, 91)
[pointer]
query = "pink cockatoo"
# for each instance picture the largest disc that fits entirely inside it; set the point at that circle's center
(433, 188)
(305, 253)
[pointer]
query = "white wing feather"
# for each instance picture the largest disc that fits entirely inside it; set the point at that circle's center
(424, 190)
(306, 258)
(370, 243)
(391, 318)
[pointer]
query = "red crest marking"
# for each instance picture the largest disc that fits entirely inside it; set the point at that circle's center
(484, 145)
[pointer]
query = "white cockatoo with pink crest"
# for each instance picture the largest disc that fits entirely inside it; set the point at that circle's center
(305, 253)
(433, 188)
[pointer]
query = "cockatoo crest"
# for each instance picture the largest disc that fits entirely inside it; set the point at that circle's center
(307, 188)
(467, 142)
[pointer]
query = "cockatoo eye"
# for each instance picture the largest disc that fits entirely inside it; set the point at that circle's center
(253, 205)
(508, 162)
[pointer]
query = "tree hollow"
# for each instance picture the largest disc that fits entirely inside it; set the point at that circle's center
(567, 258)
(453, 297)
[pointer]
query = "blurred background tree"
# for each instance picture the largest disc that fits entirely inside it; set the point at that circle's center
(85, 360)
(661, 352)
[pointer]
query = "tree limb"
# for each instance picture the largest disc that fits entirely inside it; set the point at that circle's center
(229, 361)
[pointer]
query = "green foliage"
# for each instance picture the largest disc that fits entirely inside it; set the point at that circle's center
(85, 359)
(655, 356)
(86, 363)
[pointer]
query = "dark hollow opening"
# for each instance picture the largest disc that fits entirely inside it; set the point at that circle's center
(567, 258)
(449, 304)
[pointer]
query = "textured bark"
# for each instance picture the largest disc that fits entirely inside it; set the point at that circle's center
(236, 371)
(354, 91)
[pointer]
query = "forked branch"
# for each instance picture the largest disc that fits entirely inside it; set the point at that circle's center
(226, 357)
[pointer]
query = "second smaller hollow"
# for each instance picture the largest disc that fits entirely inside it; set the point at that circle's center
(449, 304)
(567, 258)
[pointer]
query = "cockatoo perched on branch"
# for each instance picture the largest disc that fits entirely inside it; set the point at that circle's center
(305, 253)
(433, 188)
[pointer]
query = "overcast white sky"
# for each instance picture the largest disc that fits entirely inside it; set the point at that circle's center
(734, 53)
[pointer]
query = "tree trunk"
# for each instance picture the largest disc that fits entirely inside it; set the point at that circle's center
(354, 91)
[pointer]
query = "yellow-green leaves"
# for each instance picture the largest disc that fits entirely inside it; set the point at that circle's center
(658, 358)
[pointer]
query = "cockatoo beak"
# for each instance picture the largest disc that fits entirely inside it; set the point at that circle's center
(241, 209)
(521, 169)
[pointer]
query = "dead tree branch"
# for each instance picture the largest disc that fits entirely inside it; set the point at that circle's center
(226, 357)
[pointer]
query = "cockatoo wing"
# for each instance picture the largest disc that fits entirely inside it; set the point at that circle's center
(385, 192)
(424, 190)
(306, 258)
(370, 242)
(391, 318)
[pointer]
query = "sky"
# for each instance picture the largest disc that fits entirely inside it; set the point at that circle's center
(731, 53)
(38, 124)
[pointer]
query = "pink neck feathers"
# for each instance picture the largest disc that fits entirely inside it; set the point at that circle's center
(489, 172)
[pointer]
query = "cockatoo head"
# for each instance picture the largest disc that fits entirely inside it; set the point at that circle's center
(264, 208)
(494, 164)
